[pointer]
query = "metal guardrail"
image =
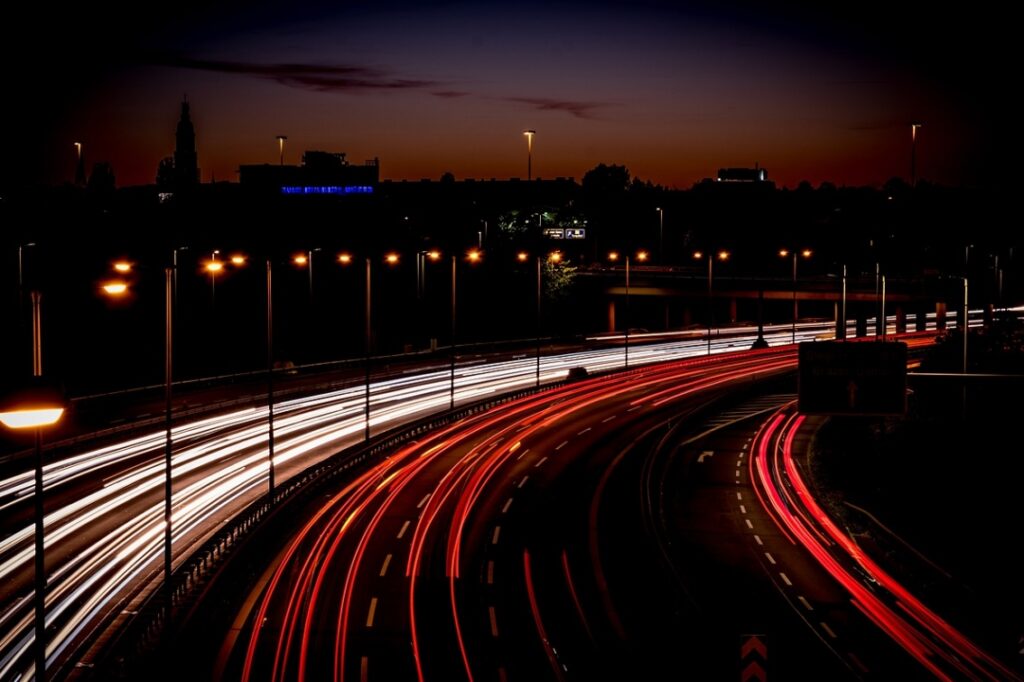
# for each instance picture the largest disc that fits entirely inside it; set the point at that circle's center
(141, 637)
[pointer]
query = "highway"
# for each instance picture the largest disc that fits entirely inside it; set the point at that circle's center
(477, 552)
(104, 525)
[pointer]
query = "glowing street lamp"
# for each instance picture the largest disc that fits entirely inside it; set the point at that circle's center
(723, 256)
(36, 407)
(661, 234)
(238, 260)
(115, 288)
(529, 152)
(280, 145)
(803, 253)
(613, 257)
(123, 267)
(913, 153)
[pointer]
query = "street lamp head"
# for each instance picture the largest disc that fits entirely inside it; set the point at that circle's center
(391, 259)
(115, 288)
(434, 255)
(522, 256)
(806, 253)
(214, 266)
(344, 258)
(122, 266)
(783, 253)
(529, 134)
(723, 255)
(613, 256)
(238, 259)
(555, 257)
(641, 256)
(697, 255)
(32, 406)
(473, 256)
(300, 259)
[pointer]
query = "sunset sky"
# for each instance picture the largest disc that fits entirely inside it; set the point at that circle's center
(672, 90)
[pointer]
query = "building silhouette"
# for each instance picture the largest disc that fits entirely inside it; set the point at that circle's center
(321, 173)
(186, 161)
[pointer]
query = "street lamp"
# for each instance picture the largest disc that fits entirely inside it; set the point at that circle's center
(473, 256)
(529, 152)
(280, 145)
(36, 408)
(723, 256)
(803, 253)
(913, 153)
(213, 266)
(661, 235)
(613, 257)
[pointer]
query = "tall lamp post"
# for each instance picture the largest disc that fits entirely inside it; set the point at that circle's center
(661, 235)
(529, 152)
(473, 256)
(270, 380)
(804, 253)
(723, 256)
(913, 153)
(614, 256)
(280, 146)
(36, 408)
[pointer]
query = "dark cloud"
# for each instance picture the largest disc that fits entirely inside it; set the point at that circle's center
(450, 94)
(575, 108)
(319, 77)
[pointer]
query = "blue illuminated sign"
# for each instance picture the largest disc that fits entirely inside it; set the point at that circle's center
(327, 189)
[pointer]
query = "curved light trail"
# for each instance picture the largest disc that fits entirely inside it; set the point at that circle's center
(104, 524)
(934, 643)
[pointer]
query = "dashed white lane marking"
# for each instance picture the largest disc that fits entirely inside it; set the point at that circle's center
(608, 419)
(523, 482)
(807, 604)
(743, 509)
(494, 621)
(737, 473)
(634, 408)
(830, 631)
(508, 503)
(749, 524)
(785, 579)
(739, 496)
(373, 610)
(490, 572)
(522, 453)
(757, 539)
(384, 566)
(857, 662)
(540, 462)
(494, 538)
(770, 558)
(364, 668)
(423, 501)
(564, 443)
(580, 433)
(401, 531)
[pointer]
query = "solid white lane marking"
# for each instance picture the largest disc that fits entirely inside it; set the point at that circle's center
(423, 501)
(583, 431)
(807, 604)
(523, 482)
(749, 524)
(540, 462)
(564, 443)
(508, 503)
(494, 538)
(826, 628)
(608, 419)
(743, 509)
(494, 621)
(373, 610)
(771, 559)
(785, 579)
(401, 532)
(384, 566)
(490, 572)
(757, 539)
(522, 453)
